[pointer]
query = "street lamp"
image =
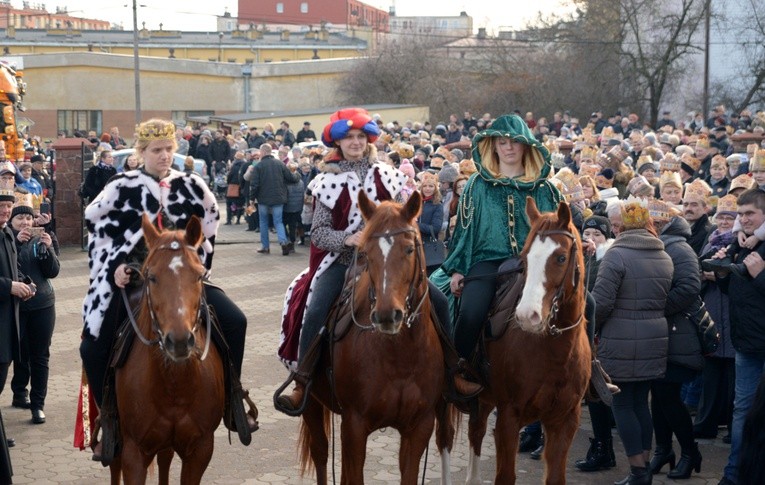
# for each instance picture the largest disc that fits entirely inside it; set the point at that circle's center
(136, 65)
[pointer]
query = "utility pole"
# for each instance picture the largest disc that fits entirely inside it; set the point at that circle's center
(705, 98)
(136, 65)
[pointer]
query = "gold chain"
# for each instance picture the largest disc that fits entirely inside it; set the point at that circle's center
(511, 223)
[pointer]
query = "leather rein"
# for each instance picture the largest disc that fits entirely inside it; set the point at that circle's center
(155, 327)
(412, 311)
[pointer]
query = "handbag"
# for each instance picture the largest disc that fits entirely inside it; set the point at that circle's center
(709, 335)
(232, 191)
(434, 251)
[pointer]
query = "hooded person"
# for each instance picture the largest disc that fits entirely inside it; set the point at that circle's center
(491, 222)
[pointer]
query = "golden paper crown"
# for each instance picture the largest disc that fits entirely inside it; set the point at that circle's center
(697, 191)
(670, 178)
(636, 135)
(607, 133)
(744, 181)
(640, 187)
(635, 215)
(757, 164)
(36, 201)
(467, 167)
(7, 167)
(690, 162)
(719, 160)
(703, 141)
(727, 204)
(24, 199)
(589, 137)
(669, 163)
(590, 169)
(551, 146)
(643, 160)
(155, 130)
(616, 156)
(405, 150)
(7, 192)
(659, 210)
(572, 189)
(588, 153)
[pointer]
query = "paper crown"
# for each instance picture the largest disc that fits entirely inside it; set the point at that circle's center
(551, 146)
(703, 141)
(727, 205)
(616, 156)
(36, 201)
(643, 160)
(24, 200)
(589, 137)
(558, 160)
(689, 163)
(635, 215)
(659, 210)
(697, 191)
(670, 162)
(405, 150)
(7, 167)
(7, 190)
(572, 189)
(590, 169)
(744, 181)
(757, 163)
(467, 167)
(636, 135)
(155, 130)
(719, 161)
(670, 178)
(640, 187)
(589, 153)
(607, 133)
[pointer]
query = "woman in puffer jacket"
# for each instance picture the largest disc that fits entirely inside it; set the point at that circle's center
(684, 359)
(630, 292)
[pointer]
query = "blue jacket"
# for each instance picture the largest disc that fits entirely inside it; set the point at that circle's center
(430, 220)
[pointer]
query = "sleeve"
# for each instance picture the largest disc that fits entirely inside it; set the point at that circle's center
(50, 266)
(686, 281)
(323, 235)
(430, 228)
(290, 177)
(759, 233)
(5, 288)
(254, 184)
(610, 275)
(457, 261)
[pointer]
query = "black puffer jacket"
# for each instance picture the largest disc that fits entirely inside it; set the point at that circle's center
(40, 265)
(269, 181)
(630, 292)
(683, 298)
(96, 179)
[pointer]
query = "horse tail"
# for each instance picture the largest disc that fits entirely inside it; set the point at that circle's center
(304, 438)
(448, 419)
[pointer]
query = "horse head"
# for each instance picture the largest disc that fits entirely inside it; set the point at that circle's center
(552, 257)
(395, 262)
(173, 274)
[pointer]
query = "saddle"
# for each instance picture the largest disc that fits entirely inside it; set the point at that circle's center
(509, 289)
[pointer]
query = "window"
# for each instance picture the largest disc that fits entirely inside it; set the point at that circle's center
(280, 7)
(304, 7)
(79, 120)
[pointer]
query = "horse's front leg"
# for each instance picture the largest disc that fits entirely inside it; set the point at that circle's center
(354, 434)
(134, 463)
(476, 432)
(559, 434)
(414, 442)
(196, 459)
(164, 458)
(506, 439)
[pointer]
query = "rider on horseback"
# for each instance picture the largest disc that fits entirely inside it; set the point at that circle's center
(348, 169)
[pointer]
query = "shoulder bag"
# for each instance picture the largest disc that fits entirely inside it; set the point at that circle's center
(709, 335)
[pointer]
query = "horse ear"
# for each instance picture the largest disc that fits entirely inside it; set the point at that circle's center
(531, 209)
(367, 207)
(412, 207)
(194, 232)
(564, 214)
(150, 233)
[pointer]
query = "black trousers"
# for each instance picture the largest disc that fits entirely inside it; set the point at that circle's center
(717, 393)
(633, 416)
(291, 223)
(476, 298)
(670, 415)
(95, 352)
(32, 365)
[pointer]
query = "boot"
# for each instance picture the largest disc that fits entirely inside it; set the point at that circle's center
(661, 456)
(537, 454)
(599, 456)
(638, 476)
(529, 442)
(294, 403)
(688, 462)
(466, 388)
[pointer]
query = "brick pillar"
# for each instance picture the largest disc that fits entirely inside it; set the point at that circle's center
(69, 173)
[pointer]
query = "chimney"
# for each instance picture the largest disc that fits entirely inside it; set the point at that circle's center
(481, 33)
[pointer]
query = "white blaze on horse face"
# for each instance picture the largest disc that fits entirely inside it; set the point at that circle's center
(386, 244)
(529, 310)
(176, 264)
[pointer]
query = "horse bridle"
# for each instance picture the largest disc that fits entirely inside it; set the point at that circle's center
(159, 340)
(411, 311)
(554, 305)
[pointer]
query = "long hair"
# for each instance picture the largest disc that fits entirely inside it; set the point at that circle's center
(455, 198)
(587, 180)
(532, 160)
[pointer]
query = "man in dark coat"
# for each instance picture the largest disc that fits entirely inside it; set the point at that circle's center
(220, 150)
(306, 134)
(268, 187)
(98, 175)
(695, 210)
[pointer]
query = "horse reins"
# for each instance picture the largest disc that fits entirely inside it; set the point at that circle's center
(411, 312)
(160, 338)
(554, 305)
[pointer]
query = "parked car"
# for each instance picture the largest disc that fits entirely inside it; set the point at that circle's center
(199, 165)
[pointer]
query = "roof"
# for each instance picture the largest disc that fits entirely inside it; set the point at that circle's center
(237, 117)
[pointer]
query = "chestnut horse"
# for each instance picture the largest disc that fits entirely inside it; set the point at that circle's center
(388, 371)
(170, 390)
(539, 368)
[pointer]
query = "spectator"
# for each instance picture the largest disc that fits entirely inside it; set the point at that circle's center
(294, 207)
(234, 197)
(430, 221)
(98, 175)
(306, 134)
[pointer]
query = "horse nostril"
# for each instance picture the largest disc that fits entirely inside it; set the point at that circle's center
(398, 315)
(373, 316)
(168, 341)
(191, 340)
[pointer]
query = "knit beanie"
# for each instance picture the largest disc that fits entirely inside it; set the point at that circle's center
(448, 173)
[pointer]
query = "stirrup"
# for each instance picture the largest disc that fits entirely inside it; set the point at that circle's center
(306, 391)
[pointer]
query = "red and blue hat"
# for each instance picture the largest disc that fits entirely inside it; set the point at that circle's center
(345, 120)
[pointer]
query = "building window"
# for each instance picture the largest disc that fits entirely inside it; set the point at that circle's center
(280, 7)
(79, 120)
(304, 7)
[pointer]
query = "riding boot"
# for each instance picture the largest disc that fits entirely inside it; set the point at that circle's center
(294, 403)
(457, 369)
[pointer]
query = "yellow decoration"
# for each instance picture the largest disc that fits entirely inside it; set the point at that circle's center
(635, 215)
(150, 132)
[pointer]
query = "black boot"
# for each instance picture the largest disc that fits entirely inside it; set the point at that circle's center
(529, 441)
(688, 462)
(537, 454)
(661, 456)
(638, 476)
(294, 403)
(600, 456)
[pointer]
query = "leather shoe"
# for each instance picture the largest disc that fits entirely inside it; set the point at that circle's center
(529, 442)
(38, 416)
(291, 404)
(264, 250)
(10, 442)
(21, 402)
(285, 249)
(716, 264)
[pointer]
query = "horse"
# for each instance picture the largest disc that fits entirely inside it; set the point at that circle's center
(170, 391)
(540, 367)
(388, 370)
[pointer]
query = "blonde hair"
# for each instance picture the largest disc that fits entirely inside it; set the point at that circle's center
(430, 178)
(587, 180)
(532, 160)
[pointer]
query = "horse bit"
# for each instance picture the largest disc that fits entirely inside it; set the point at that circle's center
(175, 245)
(554, 305)
(411, 313)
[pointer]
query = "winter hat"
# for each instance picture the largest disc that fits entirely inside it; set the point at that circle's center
(458, 154)
(407, 168)
(600, 223)
(344, 120)
(448, 173)
(605, 178)
(23, 204)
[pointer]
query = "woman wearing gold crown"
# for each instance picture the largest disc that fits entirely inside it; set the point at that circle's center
(113, 220)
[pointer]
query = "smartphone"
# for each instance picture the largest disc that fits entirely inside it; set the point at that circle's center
(36, 231)
(45, 208)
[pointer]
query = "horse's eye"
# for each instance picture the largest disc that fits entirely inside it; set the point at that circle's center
(561, 259)
(152, 278)
(409, 249)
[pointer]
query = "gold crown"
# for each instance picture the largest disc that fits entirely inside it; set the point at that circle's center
(636, 135)
(608, 132)
(24, 200)
(703, 141)
(589, 153)
(758, 161)
(36, 201)
(635, 215)
(670, 178)
(743, 181)
(572, 189)
(590, 169)
(670, 162)
(643, 160)
(697, 191)
(467, 167)
(659, 210)
(690, 161)
(155, 130)
(640, 187)
(728, 203)
(551, 146)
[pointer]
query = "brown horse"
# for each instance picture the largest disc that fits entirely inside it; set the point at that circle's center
(539, 368)
(388, 371)
(170, 390)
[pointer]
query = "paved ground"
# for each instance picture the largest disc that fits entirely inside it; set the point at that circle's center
(44, 453)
